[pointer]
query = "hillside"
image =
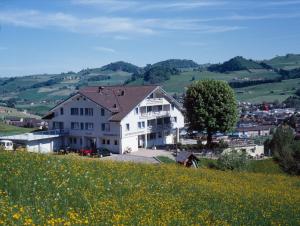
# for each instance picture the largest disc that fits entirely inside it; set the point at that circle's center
(235, 64)
(41, 189)
(176, 63)
(6, 130)
(289, 61)
(38, 93)
(121, 66)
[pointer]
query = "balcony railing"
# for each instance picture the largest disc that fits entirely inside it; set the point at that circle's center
(155, 113)
(154, 101)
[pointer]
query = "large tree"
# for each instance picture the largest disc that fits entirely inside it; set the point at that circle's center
(210, 106)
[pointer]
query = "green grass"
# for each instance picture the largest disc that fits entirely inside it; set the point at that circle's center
(165, 159)
(47, 190)
(268, 92)
(266, 166)
(6, 130)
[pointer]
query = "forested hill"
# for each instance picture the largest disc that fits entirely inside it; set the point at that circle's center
(236, 64)
(176, 63)
(121, 66)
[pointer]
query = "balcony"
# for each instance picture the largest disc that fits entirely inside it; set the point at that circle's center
(152, 128)
(154, 101)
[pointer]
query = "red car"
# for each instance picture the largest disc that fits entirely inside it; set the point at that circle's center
(86, 152)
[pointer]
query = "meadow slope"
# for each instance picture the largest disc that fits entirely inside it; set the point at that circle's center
(41, 189)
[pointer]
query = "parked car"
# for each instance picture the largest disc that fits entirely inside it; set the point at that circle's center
(86, 152)
(102, 152)
(7, 145)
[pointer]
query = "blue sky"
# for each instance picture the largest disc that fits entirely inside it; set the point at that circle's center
(53, 36)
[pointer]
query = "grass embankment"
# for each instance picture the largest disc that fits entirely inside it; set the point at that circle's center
(43, 189)
(6, 130)
(266, 166)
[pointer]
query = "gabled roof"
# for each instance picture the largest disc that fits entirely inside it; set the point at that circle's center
(184, 155)
(117, 99)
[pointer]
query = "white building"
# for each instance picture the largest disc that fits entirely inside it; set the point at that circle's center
(119, 118)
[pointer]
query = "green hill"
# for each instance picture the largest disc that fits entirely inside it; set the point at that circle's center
(289, 61)
(235, 64)
(63, 190)
(176, 63)
(121, 66)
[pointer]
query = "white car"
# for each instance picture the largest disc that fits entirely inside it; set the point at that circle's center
(7, 145)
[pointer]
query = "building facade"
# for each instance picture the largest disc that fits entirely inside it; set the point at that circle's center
(119, 118)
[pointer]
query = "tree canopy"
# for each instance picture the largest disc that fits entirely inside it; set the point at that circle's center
(210, 106)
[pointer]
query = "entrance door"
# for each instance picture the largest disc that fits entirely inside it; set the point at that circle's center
(141, 141)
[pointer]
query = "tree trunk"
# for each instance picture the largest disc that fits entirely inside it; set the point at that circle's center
(209, 138)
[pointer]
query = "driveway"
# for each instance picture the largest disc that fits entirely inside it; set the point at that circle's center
(152, 153)
(131, 158)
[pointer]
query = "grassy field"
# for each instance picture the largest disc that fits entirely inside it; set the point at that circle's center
(268, 92)
(6, 130)
(48, 190)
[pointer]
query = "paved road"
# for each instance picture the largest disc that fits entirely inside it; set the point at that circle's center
(131, 158)
(152, 153)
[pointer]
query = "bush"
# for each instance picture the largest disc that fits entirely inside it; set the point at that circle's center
(233, 160)
(286, 150)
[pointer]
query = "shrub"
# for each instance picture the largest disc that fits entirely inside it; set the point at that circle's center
(286, 150)
(233, 160)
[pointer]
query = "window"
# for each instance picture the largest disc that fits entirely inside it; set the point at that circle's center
(82, 126)
(159, 135)
(103, 141)
(105, 127)
(151, 95)
(102, 112)
(89, 111)
(173, 106)
(74, 140)
(127, 127)
(108, 142)
(89, 126)
(159, 121)
(75, 125)
(141, 125)
(175, 119)
(159, 108)
(61, 111)
(116, 142)
(81, 111)
(74, 111)
(151, 136)
(58, 125)
(136, 111)
(149, 108)
(70, 140)
(80, 141)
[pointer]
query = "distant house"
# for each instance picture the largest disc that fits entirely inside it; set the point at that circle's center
(25, 122)
(119, 118)
(187, 159)
(254, 131)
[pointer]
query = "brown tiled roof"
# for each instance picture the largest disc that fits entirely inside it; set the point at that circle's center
(118, 99)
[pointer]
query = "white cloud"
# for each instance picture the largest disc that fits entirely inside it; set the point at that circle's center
(94, 25)
(104, 49)
(115, 5)
(119, 26)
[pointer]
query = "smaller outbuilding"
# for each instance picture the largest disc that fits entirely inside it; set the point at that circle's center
(188, 159)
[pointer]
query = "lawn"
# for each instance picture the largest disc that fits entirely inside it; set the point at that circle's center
(48, 190)
(6, 130)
